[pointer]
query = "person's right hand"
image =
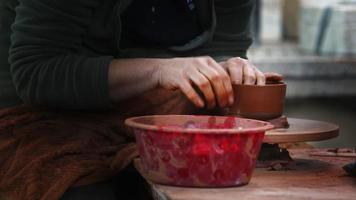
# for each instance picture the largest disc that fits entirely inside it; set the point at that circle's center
(204, 72)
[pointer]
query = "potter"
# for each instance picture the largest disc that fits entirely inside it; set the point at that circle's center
(72, 71)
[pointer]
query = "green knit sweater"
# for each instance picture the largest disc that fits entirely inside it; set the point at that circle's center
(56, 52)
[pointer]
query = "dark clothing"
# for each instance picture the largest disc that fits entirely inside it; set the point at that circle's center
(60, 50)
(127, 185)
(8, 95)
(161, 23)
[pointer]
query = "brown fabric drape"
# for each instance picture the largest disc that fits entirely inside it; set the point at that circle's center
(45, 151)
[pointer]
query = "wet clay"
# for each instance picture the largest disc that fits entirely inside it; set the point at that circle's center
(259, 102)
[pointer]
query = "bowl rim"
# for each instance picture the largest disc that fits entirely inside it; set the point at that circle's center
(130, 122)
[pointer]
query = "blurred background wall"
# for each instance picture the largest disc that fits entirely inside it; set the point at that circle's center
(313, 44)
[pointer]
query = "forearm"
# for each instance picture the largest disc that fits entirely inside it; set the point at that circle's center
(131, 77)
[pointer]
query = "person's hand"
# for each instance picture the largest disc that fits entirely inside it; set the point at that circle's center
(241, 71)
(204, 72)
(130, 77)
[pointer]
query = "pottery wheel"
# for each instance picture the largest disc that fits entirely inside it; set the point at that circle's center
(302, 130)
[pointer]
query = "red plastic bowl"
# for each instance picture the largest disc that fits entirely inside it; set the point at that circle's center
(198, 151)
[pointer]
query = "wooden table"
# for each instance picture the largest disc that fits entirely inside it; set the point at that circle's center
(316, 178)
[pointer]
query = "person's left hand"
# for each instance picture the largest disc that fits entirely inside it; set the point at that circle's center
(242, 71)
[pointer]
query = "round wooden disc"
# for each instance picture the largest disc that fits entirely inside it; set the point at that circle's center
(302, 130)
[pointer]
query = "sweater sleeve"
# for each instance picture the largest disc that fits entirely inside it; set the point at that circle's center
(47, 66)
(232, 33)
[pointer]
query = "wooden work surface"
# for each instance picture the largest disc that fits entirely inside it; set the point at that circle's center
(302, 130)
(315, 178)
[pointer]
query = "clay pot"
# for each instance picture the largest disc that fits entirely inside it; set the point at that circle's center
(259, 102)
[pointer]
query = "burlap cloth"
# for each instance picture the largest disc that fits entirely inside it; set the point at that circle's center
(45, 151)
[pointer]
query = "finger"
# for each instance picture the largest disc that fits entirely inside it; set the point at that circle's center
(249, 74)
(226, 81)
(190, 93)
(217, 83)
(273, 77)
(235, 71)
(223, 64)
(260, 77)
(205, 87)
